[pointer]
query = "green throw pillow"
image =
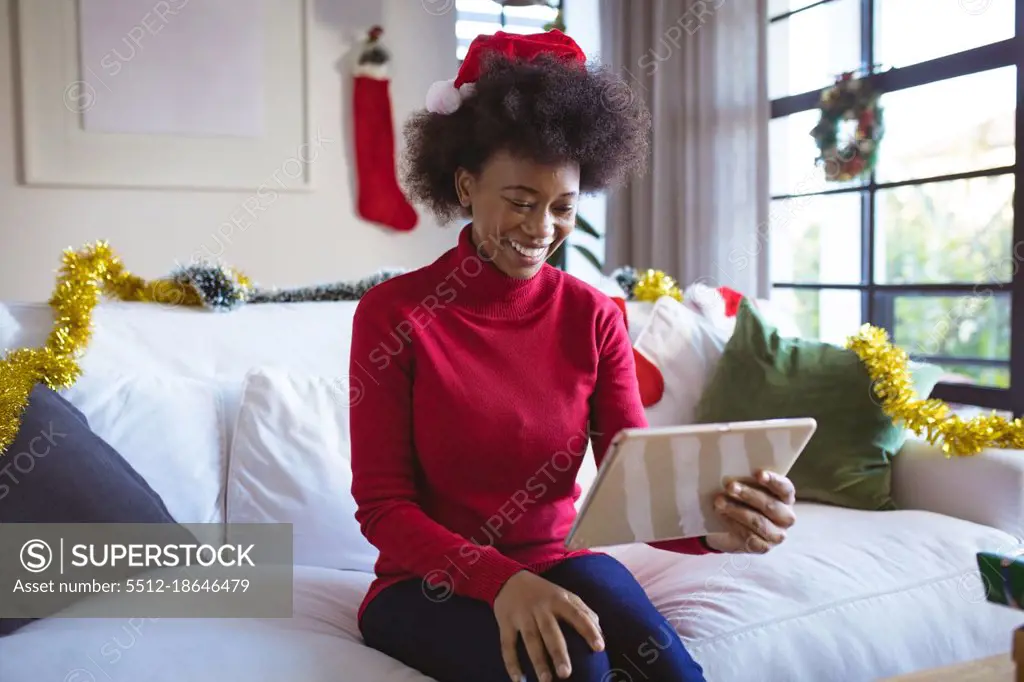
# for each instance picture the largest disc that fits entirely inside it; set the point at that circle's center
(764, 376)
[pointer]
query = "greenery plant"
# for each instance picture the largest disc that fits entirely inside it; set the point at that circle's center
(559, 257)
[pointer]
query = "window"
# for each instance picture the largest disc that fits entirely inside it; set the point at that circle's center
(476, 17)
(930, 245)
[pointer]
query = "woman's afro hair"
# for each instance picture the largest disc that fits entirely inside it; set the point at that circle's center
(545, 110)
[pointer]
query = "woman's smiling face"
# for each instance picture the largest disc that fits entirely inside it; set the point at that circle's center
(522, 210)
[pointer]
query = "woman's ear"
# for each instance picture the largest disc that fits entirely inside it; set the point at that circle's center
(464, 186)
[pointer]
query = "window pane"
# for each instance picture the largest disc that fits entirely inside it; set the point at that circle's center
(951, 126)
(959, 231)
(967, 412)
(816, 239)
(912, 31)
(808, 50)
(536, 14)
(777, 7)
(830, 315)
(975, 325)
(479, 6)
(479, 17)
(523, 29)
(791, 166)
(467, 30)
(983, 375)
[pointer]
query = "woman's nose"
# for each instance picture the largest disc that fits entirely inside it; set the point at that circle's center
(541, 226)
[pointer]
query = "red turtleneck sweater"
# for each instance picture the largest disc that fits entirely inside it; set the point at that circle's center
(479, 394)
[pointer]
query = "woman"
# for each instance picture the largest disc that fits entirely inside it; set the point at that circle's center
(481, 371)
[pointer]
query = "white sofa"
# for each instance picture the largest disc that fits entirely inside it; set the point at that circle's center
(850, 596)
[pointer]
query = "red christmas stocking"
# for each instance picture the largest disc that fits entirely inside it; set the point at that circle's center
(380, 198)
(732, 300)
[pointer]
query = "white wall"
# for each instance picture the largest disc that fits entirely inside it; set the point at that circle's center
(301, 239)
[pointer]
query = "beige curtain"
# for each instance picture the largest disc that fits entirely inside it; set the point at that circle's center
(700, 213)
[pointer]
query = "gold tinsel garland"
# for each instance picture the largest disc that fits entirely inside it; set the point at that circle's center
(931, 418)
(653, 284)
(84, 276)
(94, 271)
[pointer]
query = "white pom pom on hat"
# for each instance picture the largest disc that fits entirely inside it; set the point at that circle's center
(443, 97)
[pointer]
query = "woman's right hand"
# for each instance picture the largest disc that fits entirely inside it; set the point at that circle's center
(531, 606)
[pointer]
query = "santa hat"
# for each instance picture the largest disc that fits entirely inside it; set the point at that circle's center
(445, 97)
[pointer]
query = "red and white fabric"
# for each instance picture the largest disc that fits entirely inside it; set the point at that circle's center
(681, 340)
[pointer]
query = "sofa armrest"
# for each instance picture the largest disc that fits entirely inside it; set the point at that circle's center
(987, 488)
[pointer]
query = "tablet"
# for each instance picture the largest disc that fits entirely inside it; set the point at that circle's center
(659, 483)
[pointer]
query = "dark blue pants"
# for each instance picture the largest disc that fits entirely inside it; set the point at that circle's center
(456, 640)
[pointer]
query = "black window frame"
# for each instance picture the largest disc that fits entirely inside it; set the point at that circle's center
(503, 18)
(1009, 52)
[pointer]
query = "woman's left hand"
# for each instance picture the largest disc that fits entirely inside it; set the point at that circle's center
(758, 511)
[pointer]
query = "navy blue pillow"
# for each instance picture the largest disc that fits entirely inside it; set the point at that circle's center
(58, 471)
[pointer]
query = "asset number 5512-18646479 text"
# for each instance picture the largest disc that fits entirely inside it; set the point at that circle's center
(180, 585)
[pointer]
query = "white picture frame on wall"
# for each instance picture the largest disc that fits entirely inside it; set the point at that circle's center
(143, 141)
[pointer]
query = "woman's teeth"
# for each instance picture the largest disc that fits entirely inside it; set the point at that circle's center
(531, 253)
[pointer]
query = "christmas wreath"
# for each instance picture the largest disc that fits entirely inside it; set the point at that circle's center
(849, 99)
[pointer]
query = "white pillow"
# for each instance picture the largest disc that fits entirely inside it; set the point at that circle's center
(709, 303)
(638, 315)
(147, 338)
(169, 428)
(311, 337)
(609, 286)
(290, 462)
(685, 347)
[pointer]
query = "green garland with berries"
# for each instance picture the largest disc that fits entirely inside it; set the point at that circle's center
(848, 99)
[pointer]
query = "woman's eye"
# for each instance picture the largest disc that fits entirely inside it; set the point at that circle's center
(564, 210)
(520, 204)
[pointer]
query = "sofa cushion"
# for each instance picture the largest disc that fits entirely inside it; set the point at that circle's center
(195, 342)
(763, 375)
(685, 347)
(291, 463)
(57, 470)
(893, 592)
(169, 428)
(319, 643)
(986, 488)
(877, 593)
(147, 338)
(638, 314)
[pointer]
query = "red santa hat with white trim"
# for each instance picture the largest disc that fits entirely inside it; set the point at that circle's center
(445, 97)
